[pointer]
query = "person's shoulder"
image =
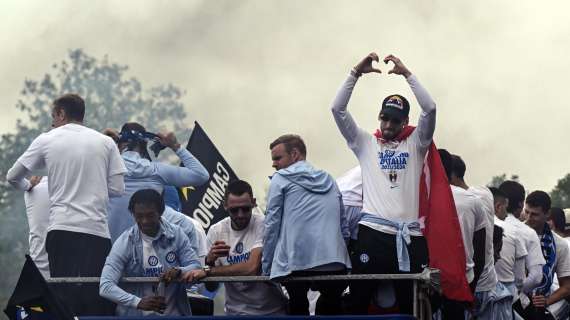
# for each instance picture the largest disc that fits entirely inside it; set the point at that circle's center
(124, 241)
(220, 226)
(257, 218)
(560, 242)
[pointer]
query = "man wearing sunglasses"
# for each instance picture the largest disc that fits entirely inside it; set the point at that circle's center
(392, 159)
(235, 245)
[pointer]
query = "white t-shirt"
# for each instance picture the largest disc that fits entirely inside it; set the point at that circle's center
(37, 210)
(152, 267)
(562, 262)
(513, 250)
(471, 219)
(350, 186)
(79, 162)
(393, 174)
(488, 279)
(247, 298)
(532, 244)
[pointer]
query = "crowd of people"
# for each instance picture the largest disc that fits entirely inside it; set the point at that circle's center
(106, 209)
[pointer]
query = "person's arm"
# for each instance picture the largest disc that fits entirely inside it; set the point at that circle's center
(192, 174)
(561, 293)
(16, 177)
(115, 170)
(116, 185)
(342, 117)
(478, 254)
(249, 268)
(533, 279)
(344, 225)
(273, 217)
(426, 122)
(112, 273)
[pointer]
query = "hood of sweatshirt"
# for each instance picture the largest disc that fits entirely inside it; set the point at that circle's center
(305, 175)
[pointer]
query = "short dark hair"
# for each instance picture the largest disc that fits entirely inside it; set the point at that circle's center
(446, 160)
(290, 141)
(514, 191)
(497, 194)
(558, 218)
(237, 188)
(72, 104)
(148, 197)
(458, 166)
(539, 199)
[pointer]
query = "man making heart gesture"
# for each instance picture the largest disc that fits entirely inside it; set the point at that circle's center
(392, 162)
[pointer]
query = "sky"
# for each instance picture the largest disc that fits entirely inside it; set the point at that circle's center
(253, 70)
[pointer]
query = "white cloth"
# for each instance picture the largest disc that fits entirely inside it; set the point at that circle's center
(153, 268)
(37, 211)
(471, 219)
(532, 245)
(390, 171)
(247, 298)
(350, 186)
(562, 263)
(513, 249)
(80, 163)
(488, 279)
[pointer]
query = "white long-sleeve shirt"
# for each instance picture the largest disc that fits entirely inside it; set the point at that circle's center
(396, 200)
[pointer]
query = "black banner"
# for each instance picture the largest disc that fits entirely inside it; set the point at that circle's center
(205, 203)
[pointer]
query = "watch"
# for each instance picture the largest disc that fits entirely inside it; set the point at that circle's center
(206, 270)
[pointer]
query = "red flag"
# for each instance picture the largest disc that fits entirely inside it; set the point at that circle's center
(442, 230)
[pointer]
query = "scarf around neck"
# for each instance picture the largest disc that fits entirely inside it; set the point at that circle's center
(548, 247)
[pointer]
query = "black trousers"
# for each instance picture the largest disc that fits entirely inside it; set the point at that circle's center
(375, 253)
(329, 302)
(75, 254)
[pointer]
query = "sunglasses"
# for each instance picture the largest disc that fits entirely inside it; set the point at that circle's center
(236, 210)
(394, 120)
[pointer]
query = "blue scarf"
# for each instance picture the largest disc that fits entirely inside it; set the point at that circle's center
(549, 252)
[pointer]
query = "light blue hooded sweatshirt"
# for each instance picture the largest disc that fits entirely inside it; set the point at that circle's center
(145, 174)
(179, 219)
(126, 260)
(305, 225)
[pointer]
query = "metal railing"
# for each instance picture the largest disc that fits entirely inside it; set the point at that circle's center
(429, 278)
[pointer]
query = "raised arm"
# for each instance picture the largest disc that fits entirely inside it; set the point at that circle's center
(342, 117)
(192, 174)
(426, 123)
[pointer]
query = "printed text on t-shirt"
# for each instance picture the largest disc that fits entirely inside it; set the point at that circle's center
(393, 160)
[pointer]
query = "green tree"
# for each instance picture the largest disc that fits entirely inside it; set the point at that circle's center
(561, 193)
(497, 180)
(112, 98)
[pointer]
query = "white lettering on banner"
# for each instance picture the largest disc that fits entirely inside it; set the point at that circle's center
(213, 197)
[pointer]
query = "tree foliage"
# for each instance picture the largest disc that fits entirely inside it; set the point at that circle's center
(561, 193)
(497, 180)
(112, 98)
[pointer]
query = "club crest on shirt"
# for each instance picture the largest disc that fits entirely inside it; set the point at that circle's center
(364, 258)
(239, 247)
(152, 261)
(171, 257)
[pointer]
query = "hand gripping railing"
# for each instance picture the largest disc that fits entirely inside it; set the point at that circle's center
(428, 278)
